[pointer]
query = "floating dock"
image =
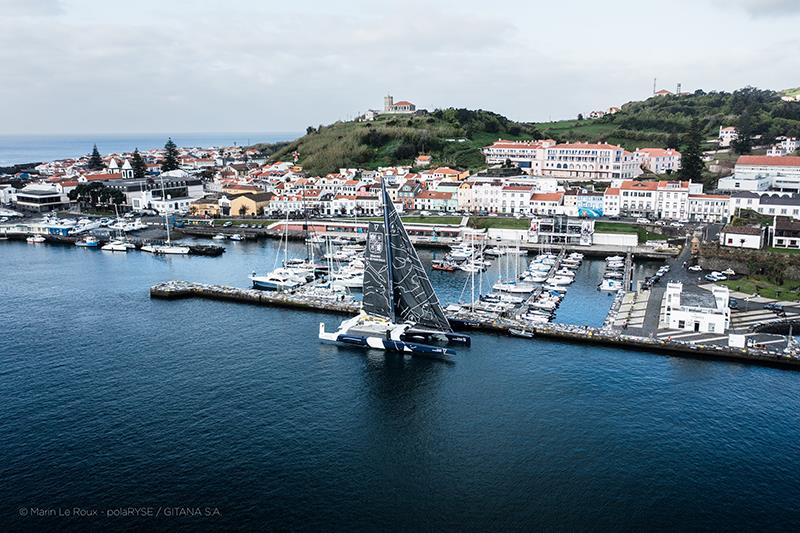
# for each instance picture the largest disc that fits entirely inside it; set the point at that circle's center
(579, 334)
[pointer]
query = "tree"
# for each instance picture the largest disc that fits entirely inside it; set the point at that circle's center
(692, 165)
(743, 144)
(95, 161)
(673, 141)
(138, 165)
(580, 116)
(170, 156)
(310, 130)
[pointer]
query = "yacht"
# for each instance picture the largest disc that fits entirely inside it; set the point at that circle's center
(116, 246)
(219, 237)
(399, 307)
(35, 239)
(280, 279)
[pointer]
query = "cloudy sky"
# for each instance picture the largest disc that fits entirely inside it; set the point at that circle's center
(98, 66)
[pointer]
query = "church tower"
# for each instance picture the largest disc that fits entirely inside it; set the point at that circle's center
(388, 103)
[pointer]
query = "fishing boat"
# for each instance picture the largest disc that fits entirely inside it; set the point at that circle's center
(88, 242)
(399, 307)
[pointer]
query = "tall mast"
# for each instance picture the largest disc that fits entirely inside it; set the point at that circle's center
(164, 202)
(388, 244)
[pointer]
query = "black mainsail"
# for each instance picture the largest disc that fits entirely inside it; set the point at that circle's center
(396, 285)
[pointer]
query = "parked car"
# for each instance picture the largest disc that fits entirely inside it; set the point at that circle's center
(642, 220)
(733, 303)
(774, 307)
(695, 268)
(676, 224)
(614, 217)
(716, 276)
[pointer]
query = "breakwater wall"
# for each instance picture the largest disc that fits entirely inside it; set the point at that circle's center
(562, 332)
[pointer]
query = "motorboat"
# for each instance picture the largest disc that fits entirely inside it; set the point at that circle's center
(494, 251)
(35, 239)
(446, 266)
(348, 280)
(280, 279)
(517, 288)
(614, 258)
(236, 237)
(399, 307)
(565, 272)
(219, 237)
(88, 242)
(610, 285)
(115, 246)
(559, 280)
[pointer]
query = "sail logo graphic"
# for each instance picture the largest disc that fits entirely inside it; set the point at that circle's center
(375, 244)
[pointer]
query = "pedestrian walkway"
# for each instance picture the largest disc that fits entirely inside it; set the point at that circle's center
(756, 317)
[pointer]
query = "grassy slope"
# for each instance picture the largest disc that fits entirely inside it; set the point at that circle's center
(763, 287)
(375, 144)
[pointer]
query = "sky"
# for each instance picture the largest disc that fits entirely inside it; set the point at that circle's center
(99, 66)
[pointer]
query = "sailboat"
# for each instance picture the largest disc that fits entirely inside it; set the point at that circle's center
(399, 305)
(168, 247)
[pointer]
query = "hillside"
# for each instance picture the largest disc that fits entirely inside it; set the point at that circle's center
(660, 120)
(452, 137)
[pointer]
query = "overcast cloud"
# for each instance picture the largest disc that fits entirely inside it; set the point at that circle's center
(90, 66)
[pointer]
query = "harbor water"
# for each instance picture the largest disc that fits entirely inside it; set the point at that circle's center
(113, 400)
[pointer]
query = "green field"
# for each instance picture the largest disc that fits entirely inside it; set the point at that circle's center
(790, 290)
(613, 227)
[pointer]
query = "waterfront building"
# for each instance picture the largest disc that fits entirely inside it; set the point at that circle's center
(708, 207)
(700, 311)
(751, 237)
(561, 229)
(611, 202)
(41, 198)
(179, 189)
(516, 199)
(546, 203)
(638, 198)
(250, 204)
(785, 233)
(436, 201)
(672, 199)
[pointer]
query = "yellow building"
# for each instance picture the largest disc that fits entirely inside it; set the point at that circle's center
(250, 204)
(205, 207)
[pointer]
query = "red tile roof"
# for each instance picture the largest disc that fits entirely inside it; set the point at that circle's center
(547, 197)
(586, 146)
(769, 161)
(435, 195)
(639, 185)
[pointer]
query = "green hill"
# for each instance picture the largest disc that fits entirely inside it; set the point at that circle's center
(452, 137)
(661, 120)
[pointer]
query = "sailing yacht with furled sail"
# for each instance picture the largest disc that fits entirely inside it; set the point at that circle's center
(399, 305)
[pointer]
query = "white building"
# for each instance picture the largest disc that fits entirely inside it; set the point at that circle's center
(727, 135)
(638, 198)
(751, 237)
(770, 204)
(759, 173)
(699, 312)
(709, 207)
(673, 200)
(516, 199)
(611, 202)
(659, 160)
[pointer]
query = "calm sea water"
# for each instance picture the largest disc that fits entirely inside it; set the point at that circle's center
(109, 399)
(16, 149)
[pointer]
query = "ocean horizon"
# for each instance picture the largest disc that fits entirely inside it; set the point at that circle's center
(33, 148)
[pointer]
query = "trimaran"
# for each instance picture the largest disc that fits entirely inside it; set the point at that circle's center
(399, 306)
